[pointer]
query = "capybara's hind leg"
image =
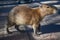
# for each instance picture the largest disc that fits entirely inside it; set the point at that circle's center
(9, 32)
(17, 27)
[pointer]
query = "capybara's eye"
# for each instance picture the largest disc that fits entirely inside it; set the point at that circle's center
(47, 7)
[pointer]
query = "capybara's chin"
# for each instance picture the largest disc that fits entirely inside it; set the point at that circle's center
(29, 16)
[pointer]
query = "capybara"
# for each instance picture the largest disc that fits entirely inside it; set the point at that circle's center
(23, 15)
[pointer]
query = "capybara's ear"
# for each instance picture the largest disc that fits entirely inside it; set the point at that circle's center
(40, 5)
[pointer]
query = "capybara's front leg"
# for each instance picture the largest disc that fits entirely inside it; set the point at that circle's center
(35, 29)
(38, 29)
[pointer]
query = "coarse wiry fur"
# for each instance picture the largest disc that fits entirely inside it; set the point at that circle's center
(28, 16)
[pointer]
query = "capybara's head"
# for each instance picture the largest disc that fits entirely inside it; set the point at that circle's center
(48, 9)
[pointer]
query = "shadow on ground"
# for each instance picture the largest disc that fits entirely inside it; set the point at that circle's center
(50, 28)
(17, 36)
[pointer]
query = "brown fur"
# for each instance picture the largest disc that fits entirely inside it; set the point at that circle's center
(29, 16)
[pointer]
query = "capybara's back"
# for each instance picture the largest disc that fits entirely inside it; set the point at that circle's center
(23, 15)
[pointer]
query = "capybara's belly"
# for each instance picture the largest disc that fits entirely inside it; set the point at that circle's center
(22, 19)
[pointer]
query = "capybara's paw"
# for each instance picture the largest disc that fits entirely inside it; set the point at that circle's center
(39, 33)
(9, 32)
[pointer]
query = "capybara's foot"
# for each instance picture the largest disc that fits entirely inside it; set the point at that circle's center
(9, 32)
(39, 33)
(36, 35)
